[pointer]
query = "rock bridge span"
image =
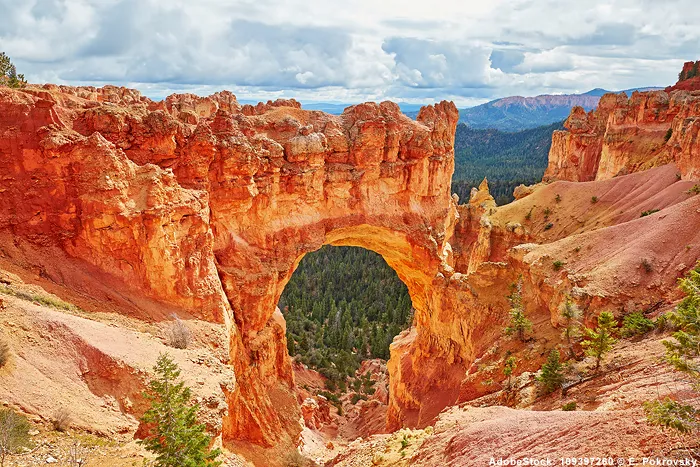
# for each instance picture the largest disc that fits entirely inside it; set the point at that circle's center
(204, 207)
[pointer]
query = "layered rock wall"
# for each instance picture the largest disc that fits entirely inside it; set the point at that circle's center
(625, 135)
(204, 207)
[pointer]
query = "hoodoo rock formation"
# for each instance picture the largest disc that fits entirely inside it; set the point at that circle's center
(202, 207)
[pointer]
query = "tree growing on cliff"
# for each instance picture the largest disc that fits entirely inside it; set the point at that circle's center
(508, 369)
(551, 376)
(571, 315)
(175, 436)
(683, 353)
(691, 73)
(14, 433)
(8, 73)
(684, 350)
(519, 324)
(600, 340)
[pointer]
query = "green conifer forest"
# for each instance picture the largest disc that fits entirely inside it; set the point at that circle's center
(343, 305)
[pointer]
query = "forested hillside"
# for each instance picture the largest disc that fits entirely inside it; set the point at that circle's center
(343, 305)
(506, 159)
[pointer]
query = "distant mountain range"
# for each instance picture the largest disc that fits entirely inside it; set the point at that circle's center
(513, 113)
(520, 113)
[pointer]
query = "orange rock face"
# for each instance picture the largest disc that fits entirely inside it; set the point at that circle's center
(206, 207)
(627, 135)
(316, 413)
(202, 207)
(85, 195)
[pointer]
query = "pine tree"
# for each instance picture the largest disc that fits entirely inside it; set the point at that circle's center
(601, 340)
(291, 346)
(176, 438)
(519, 323)
(508, 369)
(343, 305)
(682, 353)
(8, 73)
(551, 375)
(571, 314)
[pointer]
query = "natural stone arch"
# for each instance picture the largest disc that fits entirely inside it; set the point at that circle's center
(387, 190)
(203, 207)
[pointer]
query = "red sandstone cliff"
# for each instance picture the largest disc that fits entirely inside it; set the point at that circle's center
(204, 207)
(688, 78)
(624, 135)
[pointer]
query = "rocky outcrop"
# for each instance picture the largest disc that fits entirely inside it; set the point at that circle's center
(688, 78)
(603, 255)
(84, 194)
(609, 418)
(316, 413)
(624, 135)
(205, 207)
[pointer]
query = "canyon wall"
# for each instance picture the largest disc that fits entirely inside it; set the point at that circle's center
(624, 135)
(202, 207)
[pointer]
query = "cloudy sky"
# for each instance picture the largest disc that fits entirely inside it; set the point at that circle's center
(353, 50)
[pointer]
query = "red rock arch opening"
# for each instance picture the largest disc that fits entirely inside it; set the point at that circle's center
(371, 178)
(343, 305)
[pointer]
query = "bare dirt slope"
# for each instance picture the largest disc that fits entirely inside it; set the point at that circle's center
(93, 371)
(609, 420)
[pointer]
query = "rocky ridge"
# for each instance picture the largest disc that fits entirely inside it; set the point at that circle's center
(202, 208)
